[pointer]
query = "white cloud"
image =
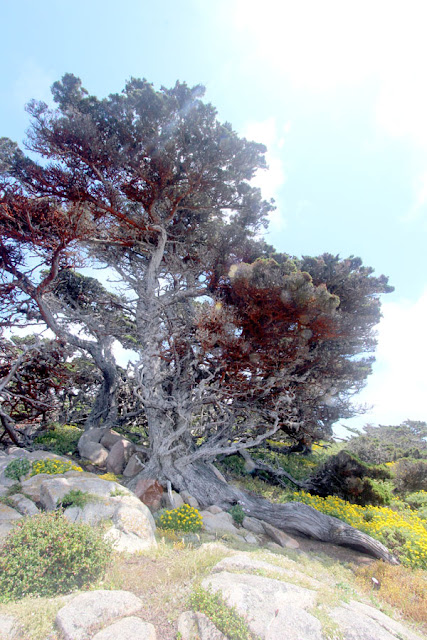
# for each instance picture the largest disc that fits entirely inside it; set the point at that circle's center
(418, 209)
(332, 44)
(270, 181)
(398, 388)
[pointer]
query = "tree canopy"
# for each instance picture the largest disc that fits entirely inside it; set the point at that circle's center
(234, 342)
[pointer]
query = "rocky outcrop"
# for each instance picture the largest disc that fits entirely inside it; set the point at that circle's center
(131, 628)
(88, 612)
(278, 609)
(195, 626)
(132, 527)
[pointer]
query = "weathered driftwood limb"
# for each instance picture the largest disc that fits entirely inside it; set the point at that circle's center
(293, 517)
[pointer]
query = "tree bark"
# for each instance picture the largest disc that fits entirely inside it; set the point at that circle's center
(294, 517)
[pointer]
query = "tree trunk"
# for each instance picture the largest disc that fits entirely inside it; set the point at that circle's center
(104, 409)
(294, 517)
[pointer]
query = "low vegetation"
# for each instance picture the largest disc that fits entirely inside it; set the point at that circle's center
(225, 618)
(46, 555)
(185, 518)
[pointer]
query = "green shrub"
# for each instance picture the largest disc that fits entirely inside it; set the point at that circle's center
(47, 555)
(62, 439)
(237, 513)
(53, 467)
(417, 500)
(17, 468)
(184, 518)
(77, 498)
(225, 618)
(410, 475)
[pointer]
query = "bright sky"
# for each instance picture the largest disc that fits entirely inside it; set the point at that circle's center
(335, 89)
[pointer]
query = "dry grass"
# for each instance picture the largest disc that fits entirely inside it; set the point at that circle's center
(36, 616)
(403, 588)
(163, 579)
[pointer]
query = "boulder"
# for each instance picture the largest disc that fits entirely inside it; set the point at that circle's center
(219, 523)
(189, 499)
(177, 500)
(110, 438)
(245, 562)
(45, 455)
(5, 528)
(7, 514)
(139, 522)
(250, 538)
(119, 456)
(133, 467)
(197, 626)
(214, 509)
(92, 435)
(32, 486)
(150, 492)
(131, 628)
(280, 537)
(94, 609)
(53, 489)
(361, 622)
(93, 451)
(22, 504)
(91, 513)
(274, 610)
(9, 627)
(253, 524)
(127, 542)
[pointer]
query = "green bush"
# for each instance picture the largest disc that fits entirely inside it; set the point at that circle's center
(225, 618)
(62, 439)
(410, 475)
(77, 498)
(184, 518)
(17, 468)
(417, 500)
(237, 513)
(46, 555)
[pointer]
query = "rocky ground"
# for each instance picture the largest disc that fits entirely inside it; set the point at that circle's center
(281, 585)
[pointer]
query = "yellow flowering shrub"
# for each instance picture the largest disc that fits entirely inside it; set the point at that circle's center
(184, 518)
(404, 532)
(53, 467)
(111, 477)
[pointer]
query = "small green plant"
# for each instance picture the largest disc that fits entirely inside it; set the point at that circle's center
(225, 618)
(61, 439)
(77, 498)
(184, 518)
(237, 513)
(17, 468)
(53, 467)
(47, 555)
(417, 500)
(117, 492)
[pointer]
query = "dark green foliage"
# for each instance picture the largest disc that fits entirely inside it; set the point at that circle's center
(77, 498)
(225, 618)
(61, 439)
(389, 443)
(348, 478)
(410, 475)
(237, 513)
(17, 468)
(417, 500)
(46, 555)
